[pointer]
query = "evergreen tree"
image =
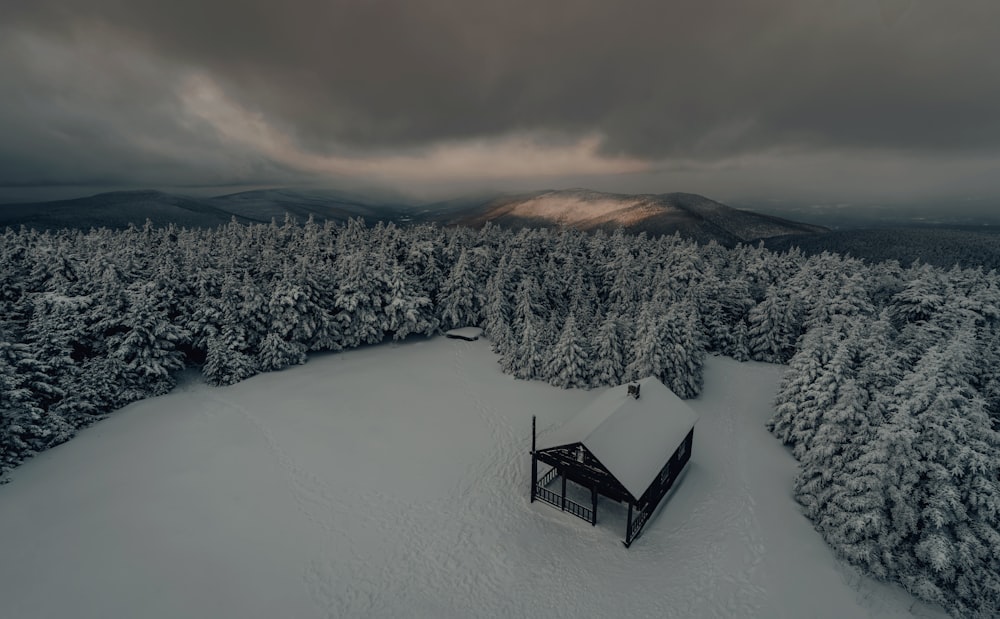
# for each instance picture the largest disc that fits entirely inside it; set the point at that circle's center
(771, 329)
(648, 352)
(148, 350)
(528, 358)
(609, 353)
(921, 503)
(921, 297)
(25, 427)
(824, 392)
(796, 389)
(227, 361)
(836, 442)
(297, 310)
(740, 343)
(406, 310)
(569, 364)
(497, 310)
(683, 351)
(276, 353)
(461, 298)
(358, 304)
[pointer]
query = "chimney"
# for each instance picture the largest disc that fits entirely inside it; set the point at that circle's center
(633, 390)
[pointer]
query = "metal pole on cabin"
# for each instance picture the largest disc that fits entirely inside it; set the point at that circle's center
(534, 461)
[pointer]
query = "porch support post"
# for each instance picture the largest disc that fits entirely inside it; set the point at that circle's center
(628, 527)
(563, 491)
(593, 506)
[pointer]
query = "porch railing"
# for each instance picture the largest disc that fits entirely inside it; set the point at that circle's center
(549, 497)
(566, 505)
(579, 511)
(639, 520)
(548, 477)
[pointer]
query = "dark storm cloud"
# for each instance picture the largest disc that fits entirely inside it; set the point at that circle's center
(692, 81)
(76, 112)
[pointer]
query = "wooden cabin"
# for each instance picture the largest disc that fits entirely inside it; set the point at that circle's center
(629, 445)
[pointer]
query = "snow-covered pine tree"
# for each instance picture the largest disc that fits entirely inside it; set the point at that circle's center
(839, 439)
(583, 303)
(307, 306)
(825, 390)
(93, 390)
(850, 298)
(683, 350)
(497, 309)
(921, 503)
(880, 368)
(25, 427)
(147, 350)
(798, 383)
(771, 328)
(276, 353)
(528, 303)
(503, 344)
(921, 297)
(609, 353)
(569, 363)
(620, 275)
(740, 343)
(252, 309)
(358, 305)
(460, 303)
(227, 361)
(647, 348)
(54, 334)
(422, 261)
(528, 358)
(406, 310)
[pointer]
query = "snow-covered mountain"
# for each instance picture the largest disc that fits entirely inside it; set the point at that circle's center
(691, 215)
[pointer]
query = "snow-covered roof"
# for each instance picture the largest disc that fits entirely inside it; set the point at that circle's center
(470, 334)
(632, 437)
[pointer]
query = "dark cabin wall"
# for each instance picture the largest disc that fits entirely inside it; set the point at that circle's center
(670, 471)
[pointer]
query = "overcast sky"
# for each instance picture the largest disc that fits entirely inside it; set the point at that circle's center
(798, 100)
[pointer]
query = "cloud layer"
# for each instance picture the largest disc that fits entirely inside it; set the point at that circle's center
(529, 91)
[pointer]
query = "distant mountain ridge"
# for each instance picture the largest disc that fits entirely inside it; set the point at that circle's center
(118, 209)
(692, 215)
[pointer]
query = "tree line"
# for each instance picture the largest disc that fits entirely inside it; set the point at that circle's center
(890, 402)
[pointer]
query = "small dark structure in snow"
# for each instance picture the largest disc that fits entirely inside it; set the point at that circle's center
(469, 334)
(626, 447)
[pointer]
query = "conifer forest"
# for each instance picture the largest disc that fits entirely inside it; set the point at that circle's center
(890, 402)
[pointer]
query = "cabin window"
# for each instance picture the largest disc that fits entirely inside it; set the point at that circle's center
(682, 450)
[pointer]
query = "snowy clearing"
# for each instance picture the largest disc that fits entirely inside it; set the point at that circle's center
(393, 481)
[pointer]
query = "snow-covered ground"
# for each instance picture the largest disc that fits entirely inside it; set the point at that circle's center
(392, 481)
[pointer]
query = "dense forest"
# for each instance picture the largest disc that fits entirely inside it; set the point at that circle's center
(968, 247)
(891, 400)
